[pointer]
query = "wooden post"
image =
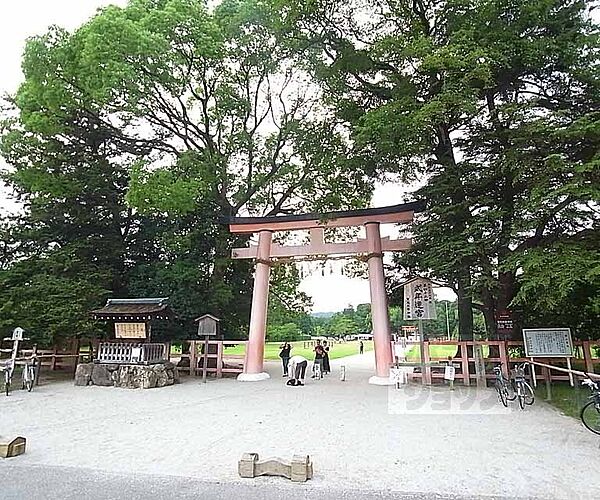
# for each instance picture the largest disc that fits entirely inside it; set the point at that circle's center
(193, 358)
(587, 356)
(425, 359)
(533, 377)
(571, 380)
(503, 348)
(479, 365)
(464, 353)
(220, 359)
(205, 361)
(53, 364)
(546, 373)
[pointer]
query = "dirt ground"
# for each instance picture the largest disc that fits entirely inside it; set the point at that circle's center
(359, 436)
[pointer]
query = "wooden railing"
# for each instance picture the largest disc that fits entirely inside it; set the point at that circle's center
(131, 353)
(498, 353)
(216, 350)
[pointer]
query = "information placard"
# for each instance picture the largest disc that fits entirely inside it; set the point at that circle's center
(130, 330)
(17, 333)
(548, 342)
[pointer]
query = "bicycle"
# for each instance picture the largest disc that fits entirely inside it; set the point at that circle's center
(504, 389)
(590, 413)
(28, 374)
(8, 369)
(521, 387)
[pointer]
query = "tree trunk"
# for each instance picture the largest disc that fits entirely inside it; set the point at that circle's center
(465, 309)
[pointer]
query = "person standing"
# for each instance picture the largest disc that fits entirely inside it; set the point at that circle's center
(297, 370)
(361, 347)
(326, 365)
(318, 364)
(284, 354)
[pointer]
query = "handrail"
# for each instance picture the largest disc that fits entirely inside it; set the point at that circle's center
(566, 370)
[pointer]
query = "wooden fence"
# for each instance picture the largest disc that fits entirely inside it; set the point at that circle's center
(216, 351)
(504, 353)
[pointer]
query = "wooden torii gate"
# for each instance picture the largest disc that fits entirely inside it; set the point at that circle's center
(267, 253)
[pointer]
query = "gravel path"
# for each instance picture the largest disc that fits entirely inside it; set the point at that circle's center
(199, 431)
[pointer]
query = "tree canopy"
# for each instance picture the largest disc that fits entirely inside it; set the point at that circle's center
(494, 105)
(132, 136)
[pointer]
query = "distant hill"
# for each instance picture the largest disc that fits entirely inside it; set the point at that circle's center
(322, 314)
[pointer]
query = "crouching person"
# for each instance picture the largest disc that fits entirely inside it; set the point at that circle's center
(297, 370)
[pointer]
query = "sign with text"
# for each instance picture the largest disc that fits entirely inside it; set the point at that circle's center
(130, 330)
(17, 333)
(449, 372)
(504, 322)
(419, 301)
(548, 342)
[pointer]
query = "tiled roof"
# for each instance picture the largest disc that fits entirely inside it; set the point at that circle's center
(124, 308)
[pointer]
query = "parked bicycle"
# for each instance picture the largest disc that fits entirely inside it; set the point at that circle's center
(523, 390)
(503, 387)
(7, 367)
(590, 413)
(28, 374)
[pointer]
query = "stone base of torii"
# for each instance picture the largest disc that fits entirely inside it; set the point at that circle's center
(267, 254)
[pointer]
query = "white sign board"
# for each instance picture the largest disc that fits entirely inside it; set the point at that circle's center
(419, 301)
(17, 333)
(548, 342)
(449, 372)
(130, 330)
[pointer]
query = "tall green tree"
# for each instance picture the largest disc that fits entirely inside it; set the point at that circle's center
(495, 104)
(132, 136)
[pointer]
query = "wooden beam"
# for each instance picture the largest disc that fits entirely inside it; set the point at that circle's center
(297, 225)
(317, 248)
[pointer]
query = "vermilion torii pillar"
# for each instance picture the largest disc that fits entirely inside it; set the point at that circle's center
(371, 249)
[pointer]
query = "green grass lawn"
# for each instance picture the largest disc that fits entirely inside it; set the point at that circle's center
(435, 351)
(568, 399)
(336, 351)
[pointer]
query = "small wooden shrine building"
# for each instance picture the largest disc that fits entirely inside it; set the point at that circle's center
(133, 320)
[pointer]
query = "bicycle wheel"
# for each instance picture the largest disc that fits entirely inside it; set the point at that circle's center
(528, 394)
(521, 395)
(502, 394)
(511, 394)
(30, 378)
(590, 416)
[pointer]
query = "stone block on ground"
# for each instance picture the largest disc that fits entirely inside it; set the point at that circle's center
(101, 375)
(298, 470)
(83, 374)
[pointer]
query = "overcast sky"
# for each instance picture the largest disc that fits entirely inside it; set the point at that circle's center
(24, 18)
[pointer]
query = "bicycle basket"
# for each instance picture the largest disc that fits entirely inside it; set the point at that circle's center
(518, 372)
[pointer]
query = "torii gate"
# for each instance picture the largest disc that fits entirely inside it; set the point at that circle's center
(371, 248)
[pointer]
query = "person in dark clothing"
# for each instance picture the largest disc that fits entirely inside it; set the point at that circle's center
(326, 365)
(361, 347)
(318, 363)
(284, 354)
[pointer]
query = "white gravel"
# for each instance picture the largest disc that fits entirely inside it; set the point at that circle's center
(200, 431)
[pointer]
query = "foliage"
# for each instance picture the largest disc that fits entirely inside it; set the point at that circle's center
(495, 102)
(132, 137)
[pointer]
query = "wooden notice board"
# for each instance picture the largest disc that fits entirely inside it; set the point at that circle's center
(130, 330)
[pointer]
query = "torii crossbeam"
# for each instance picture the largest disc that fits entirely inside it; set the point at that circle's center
(371, 249)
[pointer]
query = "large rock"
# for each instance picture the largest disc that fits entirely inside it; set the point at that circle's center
(128, 376)
(101, 375)
(83, 374)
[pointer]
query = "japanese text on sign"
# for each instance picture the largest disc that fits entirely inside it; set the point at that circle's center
(548, 342)
(130, 330)
(419, 300)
